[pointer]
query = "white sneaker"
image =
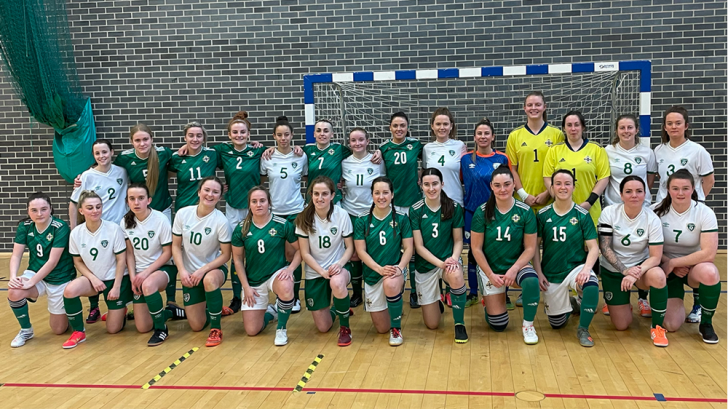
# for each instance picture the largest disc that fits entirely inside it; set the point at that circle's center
(296, 307)
(281, 337)
(23, 335)
(529, 335)
(272, 311)
(395, 337)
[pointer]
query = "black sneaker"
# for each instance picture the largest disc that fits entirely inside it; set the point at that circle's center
(355, 301)
(709, 335)
(130, 315)
(441, 305)
(461, 335)
(235, 304)
(158, 338)
(177, 312)
(93, 316)
(413, 301)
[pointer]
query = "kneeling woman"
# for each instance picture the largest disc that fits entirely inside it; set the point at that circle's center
(259, 254)
(201, 246)
(503, 241)
(437, 229)
(630, 237)
(565, 229)
(383, 240)
(148, 236)
(326, 242)
(97, 247)
(691, 243)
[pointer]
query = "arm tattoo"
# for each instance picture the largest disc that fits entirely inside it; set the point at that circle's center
(605, 244)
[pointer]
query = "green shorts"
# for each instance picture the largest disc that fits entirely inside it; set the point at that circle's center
(125, 294)
(676, 286)
(171, 271)
(318, 294)
(195, 295)
(612, 286)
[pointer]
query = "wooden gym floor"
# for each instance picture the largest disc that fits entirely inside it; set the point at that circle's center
(494, 370)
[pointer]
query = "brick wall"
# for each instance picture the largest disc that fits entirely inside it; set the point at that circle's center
(168, 62)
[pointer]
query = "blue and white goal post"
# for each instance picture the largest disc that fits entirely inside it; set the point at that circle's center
(600, 90)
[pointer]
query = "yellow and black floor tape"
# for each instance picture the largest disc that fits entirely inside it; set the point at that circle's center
(169, 368)
(309, 372)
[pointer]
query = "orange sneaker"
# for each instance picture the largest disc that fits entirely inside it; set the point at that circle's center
(227, 311)
(605, 310)
(76, 338)
(645, 309)
(215, 338)
(659, 336)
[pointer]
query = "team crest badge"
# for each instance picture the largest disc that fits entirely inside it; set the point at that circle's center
(137, 296)
(640, 232)
(392, 224)
(683, 161)
(186, 297)
(587, 159)
(207, 231)
(451, 152)
(151, 234)
(691, 226)
(331, 151)
(309, 301)
(206, 159)
(334, 230)
(272, 232)
(467, 235)
(608, 295)
(638, 160)
(496, 165)
(370, 171)
(119, 181)
(250, 154)
(548, 143)
(516, 218)
(409, 147)
(574, 221)
(49, 237)
(294, 164)
(104, 243)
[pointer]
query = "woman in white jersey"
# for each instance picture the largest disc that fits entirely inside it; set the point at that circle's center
(148, 236)
(285, 171)
(358, 173)
(201, 247)
(444, 153)
(325, 238)
(691, 243)
(98, 248)
(630, 238)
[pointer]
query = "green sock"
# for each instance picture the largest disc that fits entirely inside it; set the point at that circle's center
(394, 304)
(696, 296)
(333, 317)
(458, 305)
(171, 290)
(93, 301)
(297, 282)
(709, 296)
(214, 307)
(412, 277)
(356, 277)
(589, 302)
(20, 309)
(266, 319)
(658, 303)
(341, 305)
(237, 285)
(530, 296)
(642, 295)
(284, 312)
(156, 309)
(74, 308)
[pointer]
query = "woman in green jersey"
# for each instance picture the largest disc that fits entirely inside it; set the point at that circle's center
(197, 163)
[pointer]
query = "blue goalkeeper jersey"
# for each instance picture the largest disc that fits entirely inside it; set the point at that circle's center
(476, 176)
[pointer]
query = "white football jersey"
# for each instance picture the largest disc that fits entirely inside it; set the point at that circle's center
(201, 237)
(631, 238)
(690, 156)
(111, 188)
(682, 231)
(285, 173)
(358, 175)
(446, 158)
(638, 161)
(148, 238)
(326, 244)
(98, 250)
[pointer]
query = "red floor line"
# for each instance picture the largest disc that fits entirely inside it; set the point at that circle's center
(70, 385)
(222, 388)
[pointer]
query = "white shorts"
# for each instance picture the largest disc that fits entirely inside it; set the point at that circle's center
(234, 216)
(556, 298)
(374, 298)
(403, 210)
(168, 212)
(261, 301)
(54, 293)
(428, 286)
(486, 287)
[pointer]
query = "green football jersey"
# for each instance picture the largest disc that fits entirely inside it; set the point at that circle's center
(503, 237)
(382, 244)
(563, 239)
(40, 244)
(265, 248)
(242, 171)
(436, 233)
(136, 169)
(326, 162)
(190, 170)
(400, 161)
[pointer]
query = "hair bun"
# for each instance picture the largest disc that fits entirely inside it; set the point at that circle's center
(485, 120)
(241, 115)
(282, 118)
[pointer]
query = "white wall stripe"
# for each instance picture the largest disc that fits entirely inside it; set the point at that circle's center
(470, 72)
(515, 70)
(559, 68)
(426, 74)
(384, 76)
(342, 77)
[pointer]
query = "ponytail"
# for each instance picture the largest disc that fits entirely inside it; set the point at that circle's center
(447, 205)
(153, 159)
(130, 217)
(664, 207)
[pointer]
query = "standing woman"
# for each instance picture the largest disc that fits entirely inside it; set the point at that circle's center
(383, 240)
(259, 252)
(358, 172)
(324, 156)
(197, 163)
(201, 246)
(587, 161)
(325, 238)
(437, 230)
(444, 152)
(148, 236)
(630, 238)
(476, 170)
(565, 228)
(98, 248)
(50, 267)
(285, 171)
(691, 243)
(677, 151)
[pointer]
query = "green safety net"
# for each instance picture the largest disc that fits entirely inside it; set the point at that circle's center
(37, 52)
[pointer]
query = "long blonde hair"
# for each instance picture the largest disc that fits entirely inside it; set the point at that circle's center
(152, 160)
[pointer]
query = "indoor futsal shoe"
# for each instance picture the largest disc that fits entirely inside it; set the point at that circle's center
(215, 338)
(414, 302)
(442, 306)
(177, 312)
(509, 304)
(659, 336)
(519, 300)
(93, 316)
(23, 335)
(272, 310)
(708, 333)
(355, 301)
(235, 304)
(158, 337)
(529, 335)
(395, 337)
(471, 300)
(645, 310)
(281, 337)
(605, 310)
(227, 311)
(585, 338)
(296, 307)
(695, 314)
(575, 305)
(344, 336)
(76, 338)
(448, 300)
(461, 335)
